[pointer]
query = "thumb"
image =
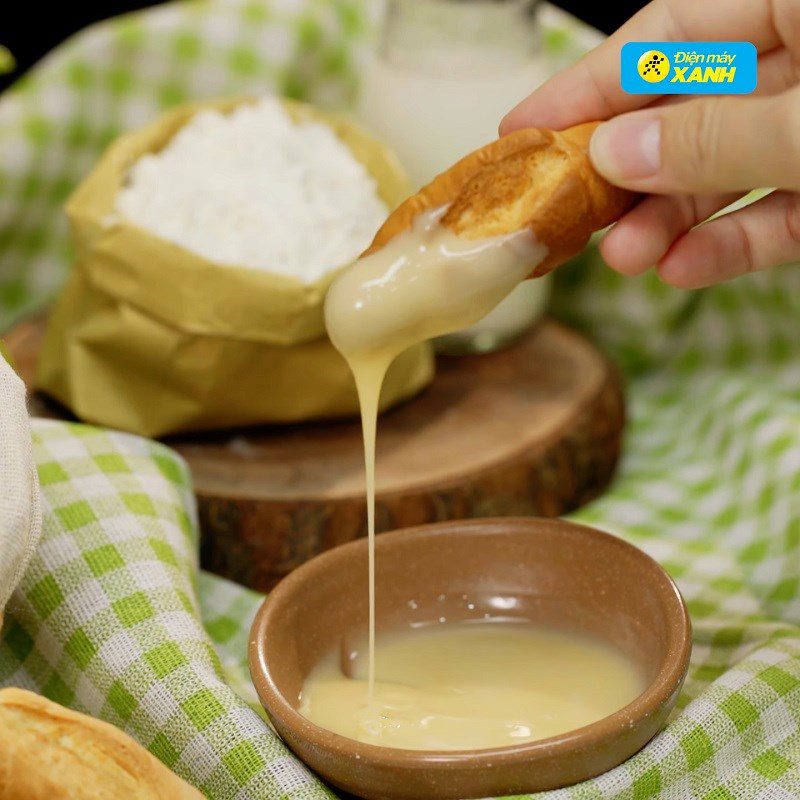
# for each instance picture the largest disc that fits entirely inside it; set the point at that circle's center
(709, 145)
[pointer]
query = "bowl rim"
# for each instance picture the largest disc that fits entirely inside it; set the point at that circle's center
(653, 697)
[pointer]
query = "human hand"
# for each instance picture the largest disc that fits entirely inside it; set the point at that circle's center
(692, 157)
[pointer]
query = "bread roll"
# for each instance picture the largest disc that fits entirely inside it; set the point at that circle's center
(48, 752)
(533, 178)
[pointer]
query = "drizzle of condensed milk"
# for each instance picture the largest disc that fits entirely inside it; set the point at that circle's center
(424, 282)
(465, 686)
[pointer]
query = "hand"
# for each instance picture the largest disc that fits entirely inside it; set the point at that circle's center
(692, 157)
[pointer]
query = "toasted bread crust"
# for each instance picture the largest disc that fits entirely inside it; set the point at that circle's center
(533, 178)
(48, 752)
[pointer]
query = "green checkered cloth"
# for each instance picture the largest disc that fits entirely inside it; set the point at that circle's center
(108, 618)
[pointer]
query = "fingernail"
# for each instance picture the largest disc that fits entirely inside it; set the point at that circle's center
(627, 148)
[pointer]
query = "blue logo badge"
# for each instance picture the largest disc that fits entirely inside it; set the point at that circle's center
(688, 67)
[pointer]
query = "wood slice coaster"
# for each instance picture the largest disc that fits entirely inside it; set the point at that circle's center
(534, 429)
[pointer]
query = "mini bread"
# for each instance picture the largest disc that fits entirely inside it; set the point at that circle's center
(533, 178)
(48, 752)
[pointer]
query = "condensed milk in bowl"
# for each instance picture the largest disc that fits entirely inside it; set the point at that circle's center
(513, 655)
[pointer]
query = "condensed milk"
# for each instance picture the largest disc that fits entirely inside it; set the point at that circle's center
(465, 686)
(423, 283)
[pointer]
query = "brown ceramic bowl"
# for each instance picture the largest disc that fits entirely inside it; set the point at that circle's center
(547, 571)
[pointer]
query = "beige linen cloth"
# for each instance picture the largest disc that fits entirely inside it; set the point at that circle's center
(20, 505)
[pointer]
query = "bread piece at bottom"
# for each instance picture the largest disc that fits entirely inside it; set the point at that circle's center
(48, 752)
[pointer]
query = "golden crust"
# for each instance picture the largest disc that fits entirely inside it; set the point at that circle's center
(48, 752)
(533, 178)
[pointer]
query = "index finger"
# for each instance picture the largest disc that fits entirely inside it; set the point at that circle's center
(590, 88)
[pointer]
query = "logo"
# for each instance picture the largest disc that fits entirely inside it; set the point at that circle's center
(653, 66)
(688, 67)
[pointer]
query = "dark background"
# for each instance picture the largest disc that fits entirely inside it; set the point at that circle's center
(36, 28)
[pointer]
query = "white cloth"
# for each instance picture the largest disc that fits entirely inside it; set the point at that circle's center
(20, 504)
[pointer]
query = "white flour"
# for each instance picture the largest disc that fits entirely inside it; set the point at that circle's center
(253, 189)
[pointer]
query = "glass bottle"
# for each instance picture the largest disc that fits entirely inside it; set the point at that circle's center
(443, 75)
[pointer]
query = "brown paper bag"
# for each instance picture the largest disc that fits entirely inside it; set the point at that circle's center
(150, 338)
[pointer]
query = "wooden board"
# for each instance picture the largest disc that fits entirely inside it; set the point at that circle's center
(533, 429)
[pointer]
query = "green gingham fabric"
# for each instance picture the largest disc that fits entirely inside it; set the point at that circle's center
(107, 619)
